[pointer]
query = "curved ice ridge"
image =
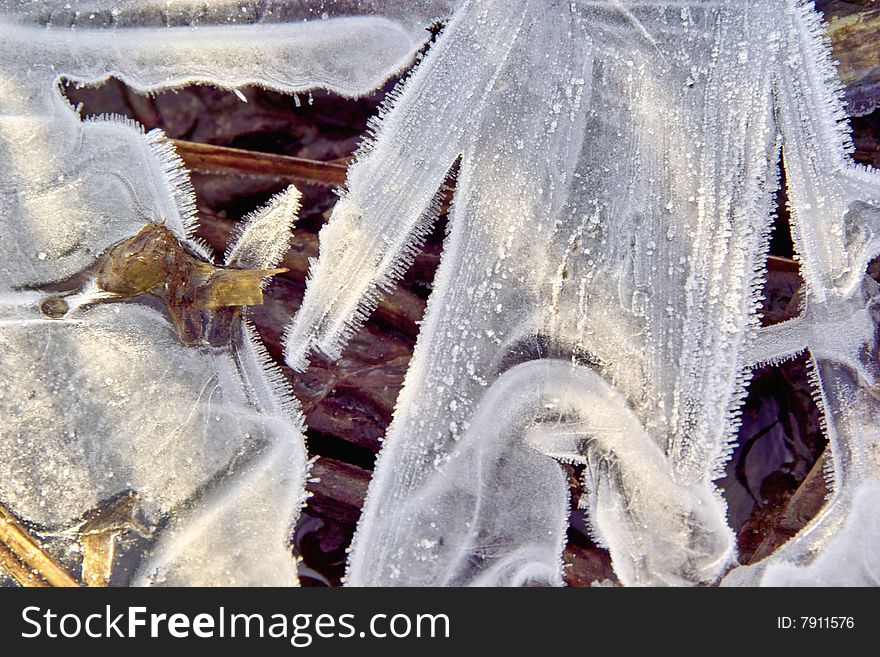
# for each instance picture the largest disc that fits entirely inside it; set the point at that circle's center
(495, 509)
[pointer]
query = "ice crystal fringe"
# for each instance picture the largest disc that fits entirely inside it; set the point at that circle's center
(818, 394)
(177, 179)
(753, 298)
(818, 51)
(394, 268)
(261, 238)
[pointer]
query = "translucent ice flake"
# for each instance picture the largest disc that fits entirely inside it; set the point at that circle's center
(617, 168)
(117, 384)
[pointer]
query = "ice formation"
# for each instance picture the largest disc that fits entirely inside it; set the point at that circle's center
(597, 297)
(102, 398)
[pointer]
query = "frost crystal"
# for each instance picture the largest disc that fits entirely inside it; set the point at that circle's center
(102, 398)
(597, 296)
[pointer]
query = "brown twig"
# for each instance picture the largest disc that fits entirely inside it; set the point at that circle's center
(778, 263)
(24, 558)
(338, 489)
(207, 158)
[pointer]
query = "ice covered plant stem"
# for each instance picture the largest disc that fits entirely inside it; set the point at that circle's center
(617, 167)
